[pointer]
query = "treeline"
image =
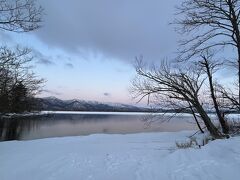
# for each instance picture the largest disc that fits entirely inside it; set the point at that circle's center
(18, 83)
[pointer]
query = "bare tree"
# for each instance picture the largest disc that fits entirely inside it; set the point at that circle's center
(178, 85)
(211, 24)
(20, 15)
(230, 98)
(210, 67)
(17, 80)
(18, 84)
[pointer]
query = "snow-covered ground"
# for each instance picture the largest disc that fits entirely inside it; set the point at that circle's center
(145, 156)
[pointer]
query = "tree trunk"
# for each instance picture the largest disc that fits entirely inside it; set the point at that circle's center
(209, 125)
(239, 74)
(194, 116)
(224, 124)
(236, 39)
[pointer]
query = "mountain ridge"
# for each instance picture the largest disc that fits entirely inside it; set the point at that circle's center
(55, 104)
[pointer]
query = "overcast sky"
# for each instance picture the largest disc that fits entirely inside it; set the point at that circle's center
(86, 48)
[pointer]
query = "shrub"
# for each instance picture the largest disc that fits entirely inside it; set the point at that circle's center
(188, 144)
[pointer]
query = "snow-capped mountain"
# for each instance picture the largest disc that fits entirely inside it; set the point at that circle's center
(55, 104)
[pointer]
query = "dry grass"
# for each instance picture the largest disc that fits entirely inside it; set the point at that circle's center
(193, 142)
(234, 127)
(188, 144)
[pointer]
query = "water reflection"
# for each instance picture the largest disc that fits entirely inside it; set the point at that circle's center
(57, 125)
(11, 128)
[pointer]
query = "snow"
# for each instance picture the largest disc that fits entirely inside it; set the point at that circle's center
(115, 113)
(144, 156)
(95, 112)
(229, 116)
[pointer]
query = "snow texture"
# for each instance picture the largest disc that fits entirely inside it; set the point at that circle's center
(116, 113)
(145, 156)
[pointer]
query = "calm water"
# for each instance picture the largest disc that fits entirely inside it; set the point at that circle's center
(57, 125)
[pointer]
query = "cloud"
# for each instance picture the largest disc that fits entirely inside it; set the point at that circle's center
(63, 57)
(112, 29)
(55, 93)
(107, 94)
(42, 59)
(69, 65)
(45, 62)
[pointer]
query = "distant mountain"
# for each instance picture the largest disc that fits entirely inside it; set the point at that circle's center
(55, 104)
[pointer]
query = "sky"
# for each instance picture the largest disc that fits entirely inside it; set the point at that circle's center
(86, 48)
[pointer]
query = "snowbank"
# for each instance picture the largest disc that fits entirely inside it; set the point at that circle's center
(146, 156)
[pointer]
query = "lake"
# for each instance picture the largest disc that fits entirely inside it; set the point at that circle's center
(61, 124)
